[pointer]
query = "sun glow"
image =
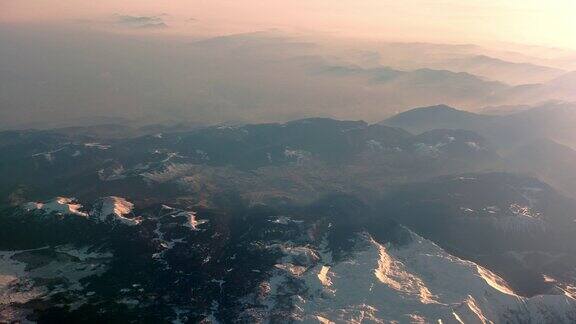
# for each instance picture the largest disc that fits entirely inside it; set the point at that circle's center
(538, 22)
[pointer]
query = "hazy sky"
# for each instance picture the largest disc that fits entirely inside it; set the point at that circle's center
(539, 22)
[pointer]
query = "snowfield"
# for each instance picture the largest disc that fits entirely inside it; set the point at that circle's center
(114, 209)
(58, 205)
(25, 277)
(107, 209)
(417, 283)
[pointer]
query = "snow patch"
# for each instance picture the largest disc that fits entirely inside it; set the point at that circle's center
(300, 156)
(192, 221)
(115, 209)
(324, 276)
(168, 173)
(475, 146)
(416, 282)
(393, 273)
(97, 146)
(374, 145)
(25, 275)
(58, 205)
(49, 156)
(524, 211)
(428, 150)
(191, 217)
(285, 220)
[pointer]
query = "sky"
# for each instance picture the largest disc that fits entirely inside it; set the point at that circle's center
(535, 22)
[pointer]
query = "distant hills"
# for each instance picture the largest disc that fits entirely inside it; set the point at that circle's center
(538, 141)
(552, 120)
(424, 119)
(258, 77)
(549, 161)
(497, 69)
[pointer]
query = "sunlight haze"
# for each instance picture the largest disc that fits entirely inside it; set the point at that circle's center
(288, 161)
(537, 22)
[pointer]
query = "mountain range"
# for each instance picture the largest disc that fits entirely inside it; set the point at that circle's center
(435, 214)
(255, 78)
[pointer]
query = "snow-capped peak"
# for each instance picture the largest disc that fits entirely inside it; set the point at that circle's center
(107, 209)
(58, 205)
(114, 209)
(193, 221)
(404, 283)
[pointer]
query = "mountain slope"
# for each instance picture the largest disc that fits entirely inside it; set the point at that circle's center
(549, 161)
(423, 119)
(334, 260)
(552, 120)
(517, 226)
(501, 70)
(561, 88)
(412, 282)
